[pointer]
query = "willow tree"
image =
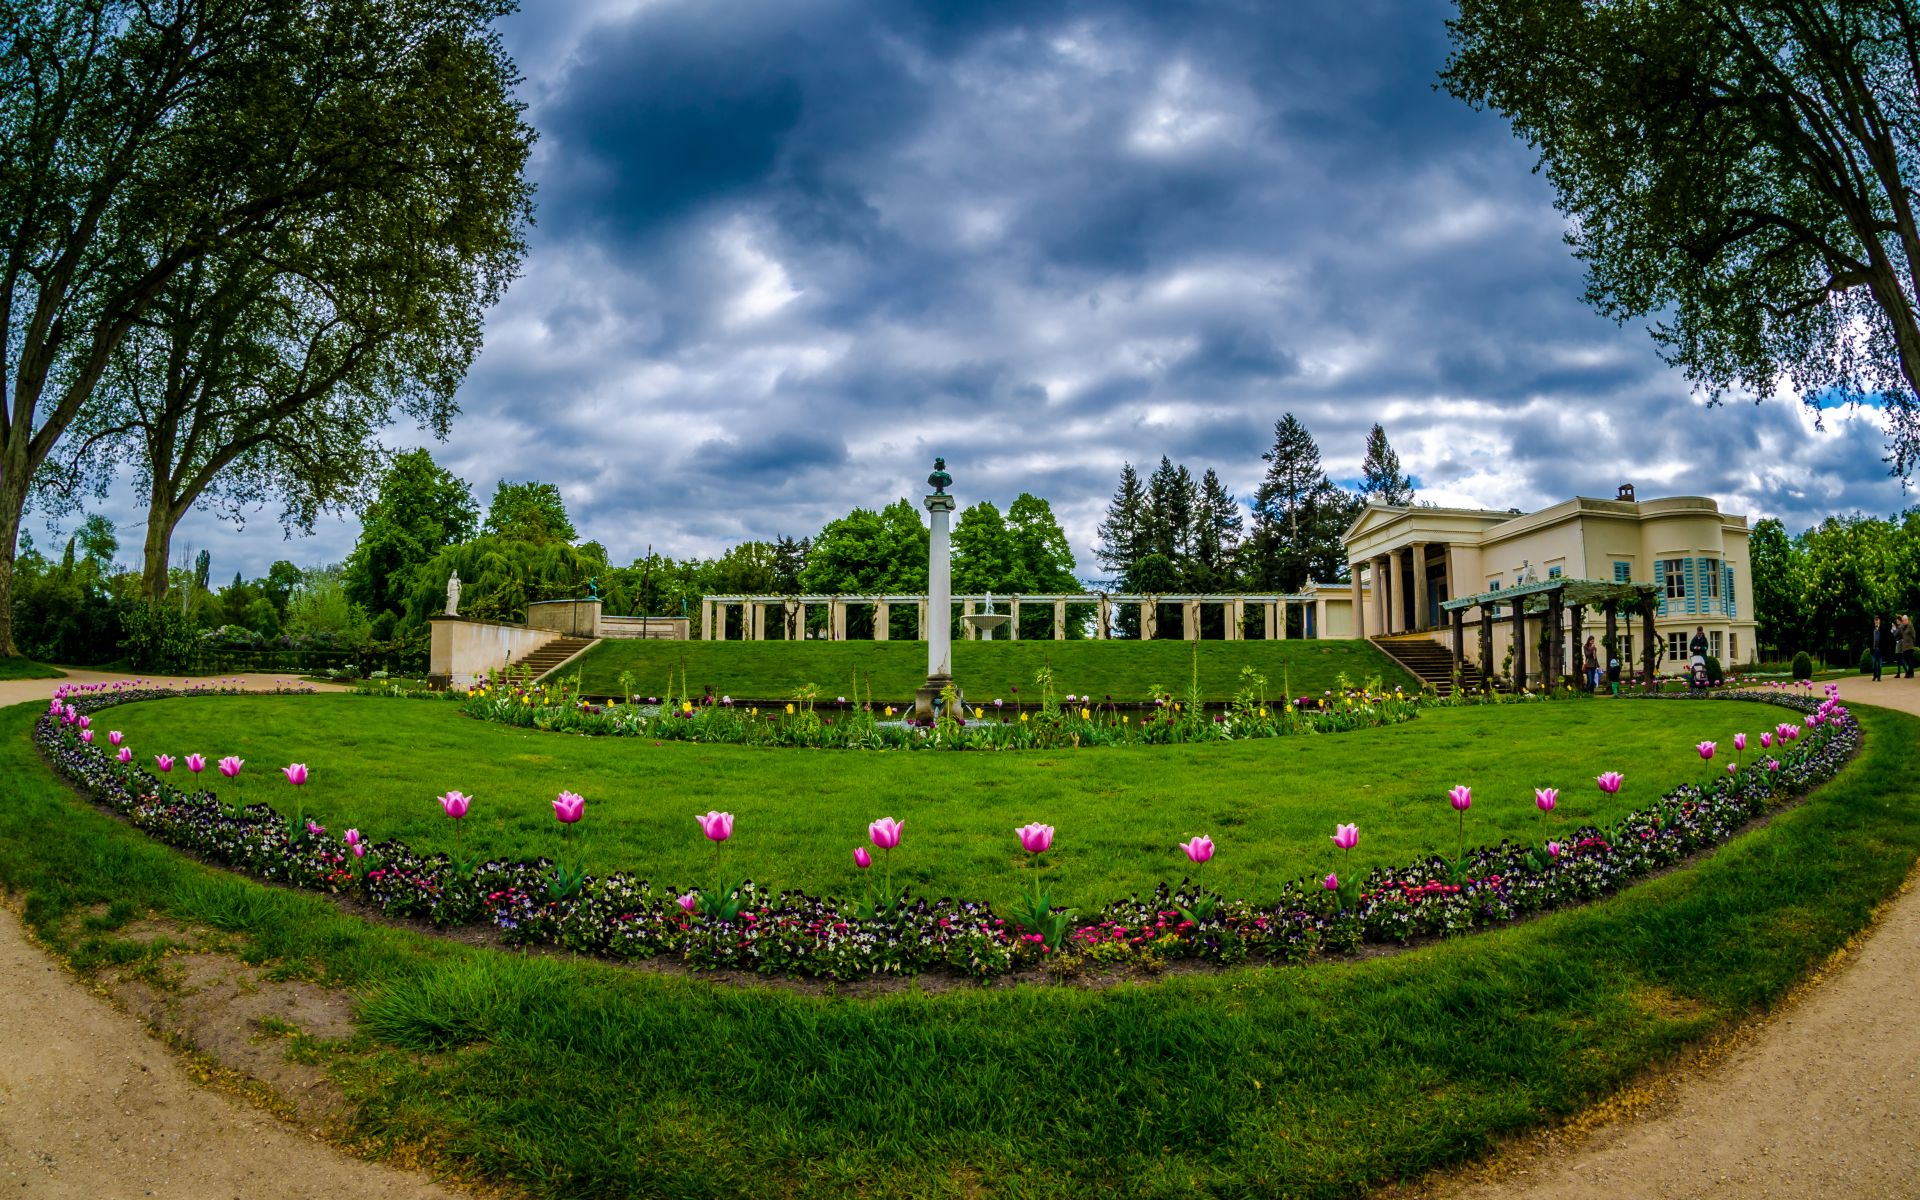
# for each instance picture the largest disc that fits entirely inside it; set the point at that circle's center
(1743, 173)
(142, 138)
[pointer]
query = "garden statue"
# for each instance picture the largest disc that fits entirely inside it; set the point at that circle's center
(593, 587)
(939, 479)
(453, 594)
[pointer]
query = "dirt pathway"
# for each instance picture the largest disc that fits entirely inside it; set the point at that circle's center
(1819, 1099)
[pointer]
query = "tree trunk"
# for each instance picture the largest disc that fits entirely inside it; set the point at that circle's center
(10, 510)
(153, 576)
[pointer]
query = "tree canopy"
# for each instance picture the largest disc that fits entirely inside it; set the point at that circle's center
(421, 509)
(1741, 172)
(529, 512)
(1381, 479)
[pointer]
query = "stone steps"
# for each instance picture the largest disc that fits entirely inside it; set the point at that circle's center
(547, 657)
(1431, 662)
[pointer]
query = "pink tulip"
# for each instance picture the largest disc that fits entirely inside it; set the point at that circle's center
(359, 849)
(296, 774)
(886, 832)
(86, 722)
(86, 735)
(1553, 849)
(1610, 781)
(1739, 741)
(569, 807)
(115, 737)
(1346, 836)
(126, 754)
(1545, 798)
(1705, 749)
(353, 837)
(163, 761)
(196, 763)
(1035, 838)
(230, 766)
(455, 804)
(1331, 882)
(1199, 849)
(689, 901)
(1773, 764)
(1812, 720)
(1461, 797)
(1766, 739)
(862, 857)
(718, 826)
(314, 829)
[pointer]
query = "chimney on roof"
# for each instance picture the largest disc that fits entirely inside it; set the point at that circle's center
(1625, 493)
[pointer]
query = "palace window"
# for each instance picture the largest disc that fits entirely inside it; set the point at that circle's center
(1677, 648)
(1553, 572)
(1710, 568)
(1673, 572)
(1622, 571)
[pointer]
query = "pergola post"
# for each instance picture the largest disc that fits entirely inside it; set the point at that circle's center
(1106, 617)
(1486, 648)
(757, 617)
(838, 619)
(1267, 611)
(1459, 640)
(1519, 644)
(1190, 621)
(1013, 625)
(1646, 637)
(966, 610)
(706, 620)
(922, 609)
(1611, 650)
(1556, 651)
(882, 621)
(1149, 620)
(1059, 620)
(1577, 655)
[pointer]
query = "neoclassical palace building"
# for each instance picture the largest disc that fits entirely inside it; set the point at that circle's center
(1407, 562)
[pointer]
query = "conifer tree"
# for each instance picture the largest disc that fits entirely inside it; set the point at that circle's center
(1299, 516)
(1381, 480)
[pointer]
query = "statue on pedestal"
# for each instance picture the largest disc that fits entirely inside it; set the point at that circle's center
(453, 594)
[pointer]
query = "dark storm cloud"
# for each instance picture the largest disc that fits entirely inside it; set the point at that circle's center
(788, 250)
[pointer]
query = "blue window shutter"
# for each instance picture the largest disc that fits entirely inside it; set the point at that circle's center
(1621, 572)
(1733, 610)
(1695, 585)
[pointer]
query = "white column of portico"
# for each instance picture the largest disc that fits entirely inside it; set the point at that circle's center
(1359, 603)
(1378, 575)
(1397, 595)
(1419, 585)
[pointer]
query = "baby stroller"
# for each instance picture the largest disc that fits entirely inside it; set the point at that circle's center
(1698, 675)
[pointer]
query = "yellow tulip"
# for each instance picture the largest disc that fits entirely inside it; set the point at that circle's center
(1023, 718)
(789, 710)
(686, 706)
(1084, 714)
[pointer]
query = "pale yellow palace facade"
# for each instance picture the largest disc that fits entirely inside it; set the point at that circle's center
(1405, 562)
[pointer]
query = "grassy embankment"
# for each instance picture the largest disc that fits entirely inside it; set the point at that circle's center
(1127, 671)
(26, 668)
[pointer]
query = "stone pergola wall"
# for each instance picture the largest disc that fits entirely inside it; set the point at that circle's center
(1551, 615)
(759, 613)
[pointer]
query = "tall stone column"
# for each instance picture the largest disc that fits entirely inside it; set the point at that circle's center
(1360, 601)
(939, 610)
(1420, 587)
(1396, 596)
(1381, 596)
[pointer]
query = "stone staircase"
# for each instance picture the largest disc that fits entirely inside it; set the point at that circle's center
(547, 657)
(1430, 661)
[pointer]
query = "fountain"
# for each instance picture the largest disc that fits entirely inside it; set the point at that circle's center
(988, 621)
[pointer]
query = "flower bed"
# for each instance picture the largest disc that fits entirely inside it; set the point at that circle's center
(746, 927)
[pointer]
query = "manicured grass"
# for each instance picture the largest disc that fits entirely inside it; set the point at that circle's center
(26, 668)
(572, 1079)
(1270, 804)
(1127, 671)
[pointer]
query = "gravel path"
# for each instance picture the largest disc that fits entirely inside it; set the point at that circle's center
(1821, 1098)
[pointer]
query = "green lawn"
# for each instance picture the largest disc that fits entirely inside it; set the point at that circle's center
(26, 668)
(1127, 671)
(576, 1079)
(1269, 804)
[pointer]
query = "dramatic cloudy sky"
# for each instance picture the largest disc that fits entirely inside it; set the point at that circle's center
(789, 250)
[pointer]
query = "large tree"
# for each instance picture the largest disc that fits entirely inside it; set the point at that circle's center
(1123, 535)
(1779, 567)
(140, 137)
(1381, 479)
(1216, 537)
(1742, 172)
(1299, 515)
(529, 512)
(421, 509)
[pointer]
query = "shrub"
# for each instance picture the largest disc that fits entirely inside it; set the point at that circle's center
(1714, 673)
(1866, 661)
(157, 637)
(1802, 666)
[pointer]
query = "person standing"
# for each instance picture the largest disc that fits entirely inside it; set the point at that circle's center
(1906, 643)
(1876, 649)
(1592, 664)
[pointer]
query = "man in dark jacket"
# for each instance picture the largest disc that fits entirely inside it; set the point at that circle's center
(1876, 649)
(1903, 628)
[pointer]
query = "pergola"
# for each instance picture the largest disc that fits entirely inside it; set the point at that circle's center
(1552, 601)
(754, 610)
